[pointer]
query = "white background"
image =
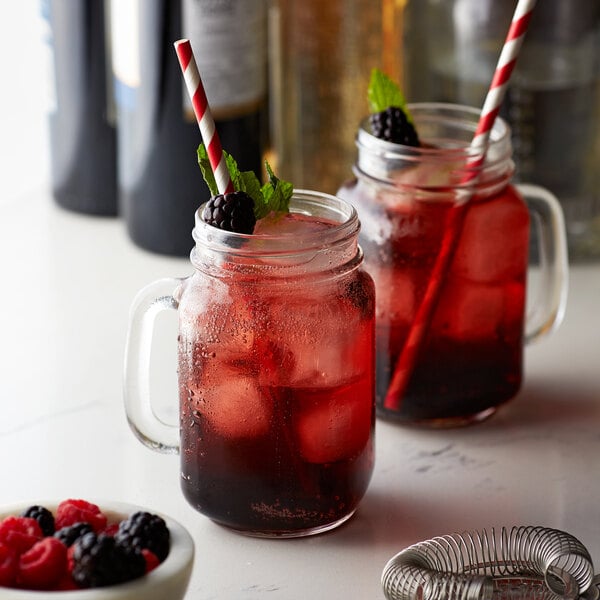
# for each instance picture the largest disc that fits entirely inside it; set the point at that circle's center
(23, 129)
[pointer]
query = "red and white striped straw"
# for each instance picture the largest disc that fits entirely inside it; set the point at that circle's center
(489, 112)
(504, 68)
(204, 117)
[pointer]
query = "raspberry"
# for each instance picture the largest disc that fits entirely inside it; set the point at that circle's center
(152, 561)
(392, 125)
(144, 530)
(9, 562)
(20, 533)
(43, 565)
(65, 583)
(73, 511)
(69, 535)
(231, 212)
(99, 561)
(43, 516)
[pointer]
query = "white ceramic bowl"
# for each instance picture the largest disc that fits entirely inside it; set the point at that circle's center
(167, 581)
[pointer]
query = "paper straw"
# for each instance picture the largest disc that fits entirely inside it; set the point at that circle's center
(206, 123)
(491, 108)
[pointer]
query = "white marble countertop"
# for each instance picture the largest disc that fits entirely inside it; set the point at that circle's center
(67, 283)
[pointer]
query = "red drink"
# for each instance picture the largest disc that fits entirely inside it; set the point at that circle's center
(470, 360)
(276, 376)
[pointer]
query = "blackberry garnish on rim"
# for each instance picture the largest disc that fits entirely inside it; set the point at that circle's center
(239, 211)
(390, 119)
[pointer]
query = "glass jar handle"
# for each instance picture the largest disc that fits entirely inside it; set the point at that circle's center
(147, 426)
(548, 310)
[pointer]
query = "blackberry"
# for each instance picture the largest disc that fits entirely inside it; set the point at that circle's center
(99, 561)
(70, 534)
(144, 530)
(43, 516)
(392, 125)
(231, 212)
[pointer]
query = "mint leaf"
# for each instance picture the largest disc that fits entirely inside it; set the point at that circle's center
(383, 92)
(276, 194)
(273, 196)
(206, 169)
(243, 181)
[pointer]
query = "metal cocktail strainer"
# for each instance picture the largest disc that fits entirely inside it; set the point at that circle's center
(533, 563)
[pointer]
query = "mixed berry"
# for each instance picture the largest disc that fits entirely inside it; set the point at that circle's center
(77, 547)
(231, 212)
(390, 118)
(392, 125)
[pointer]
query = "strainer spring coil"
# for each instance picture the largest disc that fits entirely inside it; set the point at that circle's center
(481, 565)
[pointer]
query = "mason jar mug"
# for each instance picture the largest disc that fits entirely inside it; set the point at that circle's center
(446, 240)
(276, 371)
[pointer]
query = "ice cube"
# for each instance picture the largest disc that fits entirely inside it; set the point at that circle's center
(274, 359)
(230, 331)
(235, 407)
(430, 173)
(290, 224)
(333, 424)
(469, 311)
(312, 339)
(396, 292)
(374, 225)
(494, 241)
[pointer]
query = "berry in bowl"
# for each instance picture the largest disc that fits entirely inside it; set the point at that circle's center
(105, 551)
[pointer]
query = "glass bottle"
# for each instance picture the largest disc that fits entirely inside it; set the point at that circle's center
(321, 58)
(82, 126)
(160, 183)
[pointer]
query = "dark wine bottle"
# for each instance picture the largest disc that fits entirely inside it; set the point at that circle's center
(160, 183)
(82, 135)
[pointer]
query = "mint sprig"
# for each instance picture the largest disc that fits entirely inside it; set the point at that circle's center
(384, 92)
(273, 196)
(276, 194)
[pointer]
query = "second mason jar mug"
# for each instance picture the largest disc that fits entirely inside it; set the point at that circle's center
(458, 361)
(276, 371)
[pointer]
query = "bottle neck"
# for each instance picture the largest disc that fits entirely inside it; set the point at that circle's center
(445, 163)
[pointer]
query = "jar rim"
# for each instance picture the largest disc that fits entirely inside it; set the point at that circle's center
(306, 202)
(461, 117)
(446, 131)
